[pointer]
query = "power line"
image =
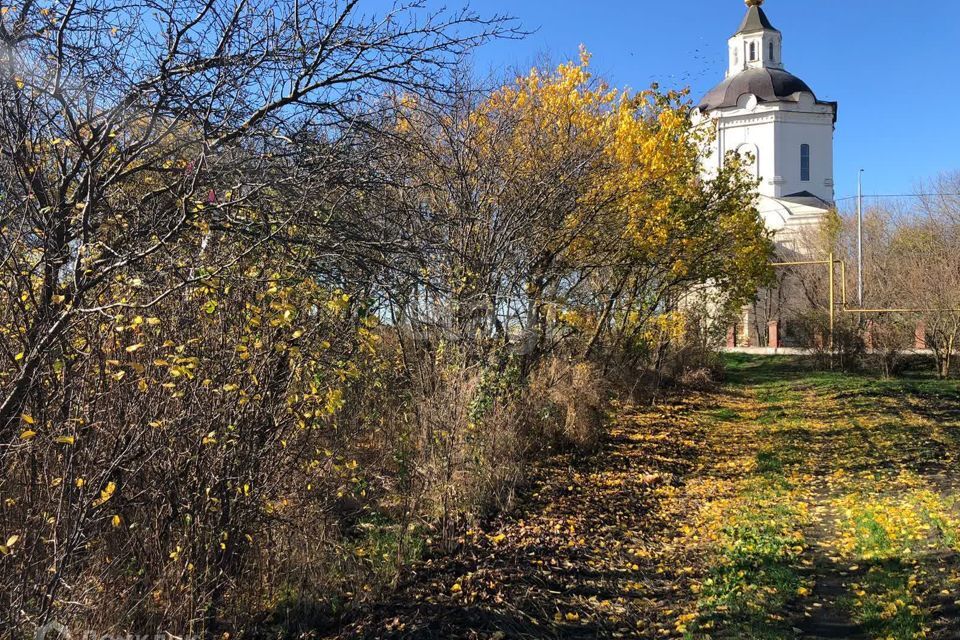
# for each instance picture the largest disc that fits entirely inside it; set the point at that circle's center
(901, 195)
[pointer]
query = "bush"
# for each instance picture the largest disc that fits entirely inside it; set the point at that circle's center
(702, 379)
(570, 400)
(813, 328)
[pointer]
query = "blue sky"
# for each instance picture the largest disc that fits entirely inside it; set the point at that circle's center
(893, 66)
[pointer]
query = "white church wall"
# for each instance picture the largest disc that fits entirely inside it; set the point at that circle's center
(792, 130)
(775, 137)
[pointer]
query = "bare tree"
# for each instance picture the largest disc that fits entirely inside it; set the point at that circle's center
(136, 132)
(175, 171)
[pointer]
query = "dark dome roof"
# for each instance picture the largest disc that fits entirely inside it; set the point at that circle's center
(769, 85)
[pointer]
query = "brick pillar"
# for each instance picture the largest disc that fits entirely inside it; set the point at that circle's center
(732, 336)
(773, 333)
(920, 336)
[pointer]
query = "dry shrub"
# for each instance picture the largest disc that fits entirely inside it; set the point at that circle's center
(475, 429)
(888, 339)
(466, 448)
(813, 328)
(699, 379)
(569, 401)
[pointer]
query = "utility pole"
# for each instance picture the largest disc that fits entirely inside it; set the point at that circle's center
(860, 239)
(832, 303)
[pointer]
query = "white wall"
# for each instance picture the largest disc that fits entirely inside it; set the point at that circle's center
(738, 51)
(795, 128)
(777, 131)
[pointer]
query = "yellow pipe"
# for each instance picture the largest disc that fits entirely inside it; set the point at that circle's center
(798, 264)
(843, 282)
(843, 292)
(831, 264)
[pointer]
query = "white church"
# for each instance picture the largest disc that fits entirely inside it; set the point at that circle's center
(766, 113)
(773, 119)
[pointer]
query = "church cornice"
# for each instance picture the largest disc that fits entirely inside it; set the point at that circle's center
(791, 117)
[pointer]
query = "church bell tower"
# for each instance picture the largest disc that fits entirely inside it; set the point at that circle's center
(770, 116)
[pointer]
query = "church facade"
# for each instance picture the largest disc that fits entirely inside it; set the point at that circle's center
(774, 119)
(784, 133)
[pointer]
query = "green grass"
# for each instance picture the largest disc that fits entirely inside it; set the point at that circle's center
(885, 604)
(756, 573)
(866, 451)
(724, 414)
(873, 540)
(778, 459)
(384, 547)
(776, 374)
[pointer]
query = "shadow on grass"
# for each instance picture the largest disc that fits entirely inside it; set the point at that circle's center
(552, 585)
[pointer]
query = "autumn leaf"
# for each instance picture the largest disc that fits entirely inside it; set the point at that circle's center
(7, 549)
(106, 494)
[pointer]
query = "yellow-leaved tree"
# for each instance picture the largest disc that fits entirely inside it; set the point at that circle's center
(578, 214)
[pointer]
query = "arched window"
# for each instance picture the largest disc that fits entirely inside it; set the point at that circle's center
(753, 52)
(771, 52)
(750, 156)
(805, 163)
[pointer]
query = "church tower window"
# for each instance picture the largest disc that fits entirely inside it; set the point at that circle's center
(771, 53)
(805, 163)
(753, 52)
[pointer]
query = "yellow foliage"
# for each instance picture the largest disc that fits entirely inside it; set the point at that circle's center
(105, 494)
(625, 169)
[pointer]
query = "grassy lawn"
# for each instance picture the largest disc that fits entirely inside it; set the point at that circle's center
(789, 503)
(831, 508)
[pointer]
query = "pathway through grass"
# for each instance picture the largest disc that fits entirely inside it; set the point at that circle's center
(789, 504)
(843, 521)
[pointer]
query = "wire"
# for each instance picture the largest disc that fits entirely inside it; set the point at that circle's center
(901, 195)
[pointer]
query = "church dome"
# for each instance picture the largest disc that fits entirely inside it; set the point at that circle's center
(769, 85)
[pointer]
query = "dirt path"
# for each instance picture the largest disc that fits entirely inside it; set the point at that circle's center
(576, 560)
(786, 505)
